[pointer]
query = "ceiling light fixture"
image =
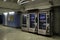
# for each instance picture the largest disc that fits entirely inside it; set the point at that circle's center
(33, 0)
(4, 0)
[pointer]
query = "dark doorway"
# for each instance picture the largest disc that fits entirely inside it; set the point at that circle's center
(1, 19)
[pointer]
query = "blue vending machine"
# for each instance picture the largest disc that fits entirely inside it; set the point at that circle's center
(5, 16)
(14, 19)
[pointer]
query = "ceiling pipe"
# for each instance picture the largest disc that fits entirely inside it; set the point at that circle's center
(25, 2)
(20, 2)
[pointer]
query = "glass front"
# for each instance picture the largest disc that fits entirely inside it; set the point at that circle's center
(32, 20)
(24, 20)
(42, 21)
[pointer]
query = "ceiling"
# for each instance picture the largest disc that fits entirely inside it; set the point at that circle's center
(10, 0)
(32, 1)
(12, 4)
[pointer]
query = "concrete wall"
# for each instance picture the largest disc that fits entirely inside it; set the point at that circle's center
(56, 2)
(57, 20)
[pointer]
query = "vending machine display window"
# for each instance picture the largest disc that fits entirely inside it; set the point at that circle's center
(24, 20)
(42, 21)
(32, 20)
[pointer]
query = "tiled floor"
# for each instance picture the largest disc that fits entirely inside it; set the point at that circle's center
(7, 33)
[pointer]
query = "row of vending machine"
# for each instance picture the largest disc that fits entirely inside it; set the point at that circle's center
(36, 22)
(40, 22)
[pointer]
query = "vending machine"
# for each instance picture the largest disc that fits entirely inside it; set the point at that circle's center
(5, 17)
(44, 22)
(32, 22)
(14, 19)
(25, 22)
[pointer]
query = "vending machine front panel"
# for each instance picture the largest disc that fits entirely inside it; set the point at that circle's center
(44, 23)
(25, 22)
(32, 20)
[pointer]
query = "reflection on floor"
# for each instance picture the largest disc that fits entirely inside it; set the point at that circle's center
(7, 33)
